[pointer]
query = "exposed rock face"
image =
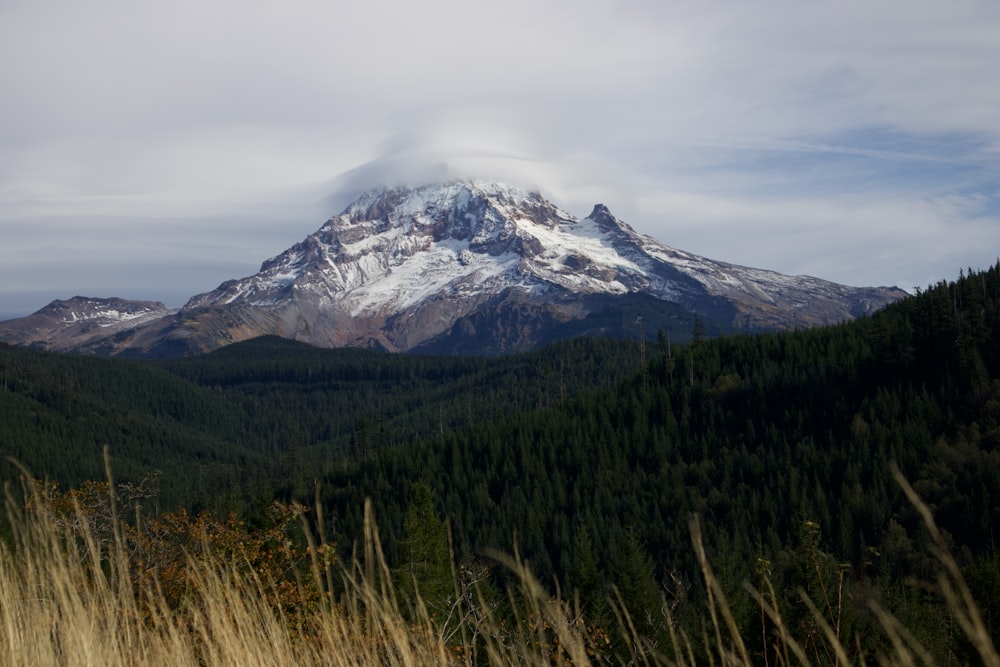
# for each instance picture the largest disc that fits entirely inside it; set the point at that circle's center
(477, 267)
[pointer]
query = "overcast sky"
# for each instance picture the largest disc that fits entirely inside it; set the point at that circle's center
(154, 149)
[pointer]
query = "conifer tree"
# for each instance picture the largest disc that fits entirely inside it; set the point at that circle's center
(636, 584)
(425, 567)
(585, 574)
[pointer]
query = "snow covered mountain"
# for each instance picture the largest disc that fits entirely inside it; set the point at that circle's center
(478, 266)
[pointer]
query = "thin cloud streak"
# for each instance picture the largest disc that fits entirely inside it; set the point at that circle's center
(814, 148)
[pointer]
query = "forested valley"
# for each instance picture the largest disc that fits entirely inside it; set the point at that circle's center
(588, 458)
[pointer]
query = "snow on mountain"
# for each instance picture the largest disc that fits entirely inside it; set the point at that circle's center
(390, 249)
(394, 249)
(102, 312)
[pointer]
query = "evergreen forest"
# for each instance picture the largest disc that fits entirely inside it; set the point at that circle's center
(589, 458)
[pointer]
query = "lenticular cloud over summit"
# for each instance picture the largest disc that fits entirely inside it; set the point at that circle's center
(435, 153)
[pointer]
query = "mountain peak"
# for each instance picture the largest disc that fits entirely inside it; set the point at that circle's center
(474, 263)
(605, 219)
(402, 265)
(409, 201)
(600, 211)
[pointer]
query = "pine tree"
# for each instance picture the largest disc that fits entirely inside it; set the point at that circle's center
(636, 584)
(585, 575)
(425, 570)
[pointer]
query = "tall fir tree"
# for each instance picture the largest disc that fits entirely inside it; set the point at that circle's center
(424, 572)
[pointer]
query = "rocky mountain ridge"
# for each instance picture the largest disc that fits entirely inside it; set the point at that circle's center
(66, 325)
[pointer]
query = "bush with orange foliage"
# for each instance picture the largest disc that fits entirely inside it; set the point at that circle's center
(161, 549)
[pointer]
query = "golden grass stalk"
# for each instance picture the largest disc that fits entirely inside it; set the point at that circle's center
(66, 597)
(952, 582)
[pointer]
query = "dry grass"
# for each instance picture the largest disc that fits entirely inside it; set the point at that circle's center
(65, 598)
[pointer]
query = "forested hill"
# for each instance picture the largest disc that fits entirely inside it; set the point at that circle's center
(782, 443)
(269, 413)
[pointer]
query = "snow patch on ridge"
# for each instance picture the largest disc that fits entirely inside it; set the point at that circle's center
(447, 265)
(110, 316)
